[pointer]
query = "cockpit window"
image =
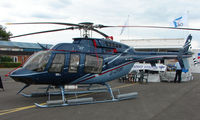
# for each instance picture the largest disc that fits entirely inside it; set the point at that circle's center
(38, 61)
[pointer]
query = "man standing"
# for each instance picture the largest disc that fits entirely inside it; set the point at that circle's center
(1, 84)
(178, 72)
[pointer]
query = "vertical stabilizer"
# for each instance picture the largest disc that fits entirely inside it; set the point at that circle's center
(184, 63)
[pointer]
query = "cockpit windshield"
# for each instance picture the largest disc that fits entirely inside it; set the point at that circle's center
(38, 61)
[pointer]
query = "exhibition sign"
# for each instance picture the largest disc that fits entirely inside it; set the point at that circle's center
(140, 66)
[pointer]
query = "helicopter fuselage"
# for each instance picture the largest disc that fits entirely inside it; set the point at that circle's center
(85, 61)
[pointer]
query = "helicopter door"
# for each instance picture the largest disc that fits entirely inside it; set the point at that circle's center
(57, 63)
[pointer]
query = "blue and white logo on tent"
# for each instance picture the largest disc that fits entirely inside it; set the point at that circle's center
(178, 22)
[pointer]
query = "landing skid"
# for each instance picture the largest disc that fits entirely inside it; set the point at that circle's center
(67, 104)
(66, 93)
(88, 100)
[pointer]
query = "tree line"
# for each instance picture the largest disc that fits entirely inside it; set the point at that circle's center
(4, 35)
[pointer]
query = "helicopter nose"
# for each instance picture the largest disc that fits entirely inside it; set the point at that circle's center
(21, 75)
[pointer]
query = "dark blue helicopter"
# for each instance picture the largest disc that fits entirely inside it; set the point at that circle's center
(87, 61)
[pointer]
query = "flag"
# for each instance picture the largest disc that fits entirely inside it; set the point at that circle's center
(195, 61)
(181, 21)
(198, 55)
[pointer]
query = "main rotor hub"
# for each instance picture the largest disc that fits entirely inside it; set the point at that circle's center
(87, 27)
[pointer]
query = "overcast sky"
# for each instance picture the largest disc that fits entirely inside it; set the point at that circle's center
(107, 12)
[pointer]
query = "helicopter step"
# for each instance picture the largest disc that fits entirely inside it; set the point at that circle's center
(88, 100)
(71, 101)
(80, 100)
(53, 102)
(127, 96)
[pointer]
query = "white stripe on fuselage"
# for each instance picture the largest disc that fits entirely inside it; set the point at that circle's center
(117, 56)
(30, 74)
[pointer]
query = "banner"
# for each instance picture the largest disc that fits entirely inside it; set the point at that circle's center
(140, 66)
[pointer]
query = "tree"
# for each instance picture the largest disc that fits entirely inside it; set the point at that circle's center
(4, 35)
(5, 59)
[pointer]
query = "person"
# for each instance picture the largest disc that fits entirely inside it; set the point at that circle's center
(178, 72)
(1, 84)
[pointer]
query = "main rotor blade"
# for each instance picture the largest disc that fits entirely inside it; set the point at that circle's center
(195, 29)
(55, 30)
(103, 34)
(57, 23)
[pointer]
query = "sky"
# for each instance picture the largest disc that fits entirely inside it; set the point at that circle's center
(106, 12)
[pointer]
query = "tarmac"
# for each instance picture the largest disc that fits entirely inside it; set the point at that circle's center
(155, 101)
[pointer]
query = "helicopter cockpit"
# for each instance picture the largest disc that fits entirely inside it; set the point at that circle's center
(38, 61)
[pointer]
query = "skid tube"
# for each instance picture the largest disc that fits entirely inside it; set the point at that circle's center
(56, 93)
(88, 100)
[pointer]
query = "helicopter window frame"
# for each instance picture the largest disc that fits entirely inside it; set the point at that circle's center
(58, 63)
(92, 64)
(74, 63)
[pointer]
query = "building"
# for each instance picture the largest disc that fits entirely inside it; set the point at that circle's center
(156, 45)
(165, 45)
(20, 51)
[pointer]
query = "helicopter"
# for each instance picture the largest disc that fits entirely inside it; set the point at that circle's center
(87, 61)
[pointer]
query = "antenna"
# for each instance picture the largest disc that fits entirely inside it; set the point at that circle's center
(125, 24)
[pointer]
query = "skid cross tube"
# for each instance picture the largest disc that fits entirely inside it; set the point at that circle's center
(63, 93)
(110, 91)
